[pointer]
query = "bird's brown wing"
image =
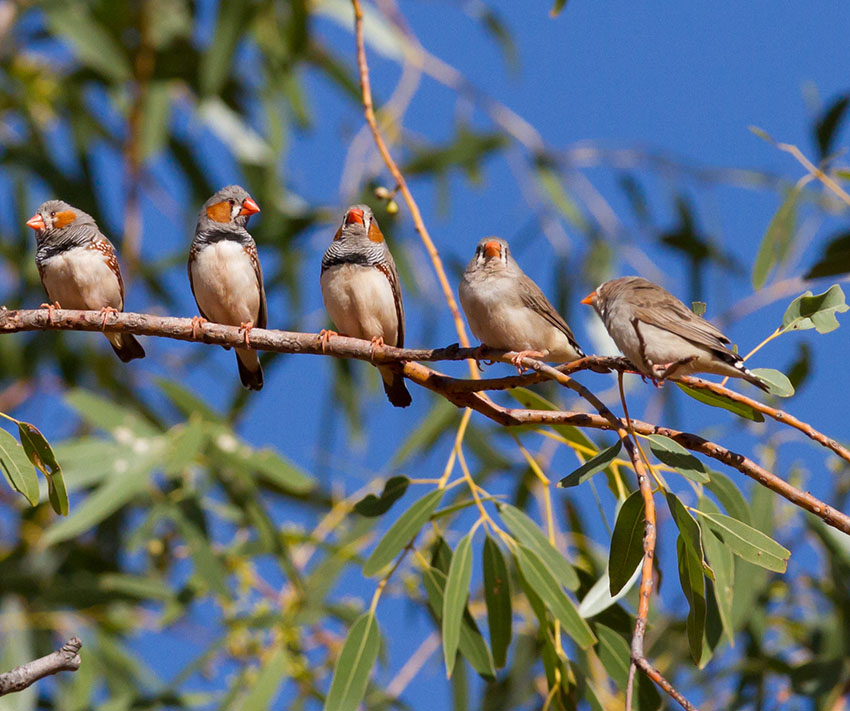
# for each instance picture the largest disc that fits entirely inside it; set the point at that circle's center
(391, 273)
(673, 316)
(534, 299)
(251, 250)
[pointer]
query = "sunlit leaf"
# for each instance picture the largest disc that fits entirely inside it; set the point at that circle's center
(689, 529)
(722, 562)
(354, 666)
(675, 455)
(777, 239)
(815, 311)
(593, 465)
(43, 458)
(748, 543)
(715, 400)
(599, 597)
(730, 496)
(402, 532)
(626, 542)
(454, 599)
(18, 468)
(262, 692)
(777, 382)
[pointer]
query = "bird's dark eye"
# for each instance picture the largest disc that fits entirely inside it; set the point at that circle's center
(232, 202)
(53, 214)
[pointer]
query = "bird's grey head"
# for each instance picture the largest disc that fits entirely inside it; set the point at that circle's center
(55, 215)
(492, 253)
(229, 207)
(359, 226)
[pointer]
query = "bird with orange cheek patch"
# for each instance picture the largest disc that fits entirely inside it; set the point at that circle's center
(225, 273)
(79, 269)
(362, 292)
(508, 311)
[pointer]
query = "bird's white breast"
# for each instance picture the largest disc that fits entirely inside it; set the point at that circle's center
(360, 302)
(225, 283)
(81, 279)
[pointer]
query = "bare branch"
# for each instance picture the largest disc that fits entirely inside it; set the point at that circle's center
(66, 658)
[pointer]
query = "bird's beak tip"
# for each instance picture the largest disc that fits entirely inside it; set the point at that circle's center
(249, 207)
(36, 222)
(492, 249)
(590, 299)
(354, 216)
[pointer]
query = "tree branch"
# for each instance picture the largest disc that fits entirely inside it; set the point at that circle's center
(66, 658)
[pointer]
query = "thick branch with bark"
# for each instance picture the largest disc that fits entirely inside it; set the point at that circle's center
(66, 658)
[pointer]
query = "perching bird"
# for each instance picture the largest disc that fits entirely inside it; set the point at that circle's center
(660, 335)
(225, 273)
(362, 293)
(79, 269)
(507, 310)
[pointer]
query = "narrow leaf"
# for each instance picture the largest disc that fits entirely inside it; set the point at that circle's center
(689, 528)
(402, 532)
(540, 578)
(454, 599)
(777, 239)
(217, 60)
(749, 543)
(721, 401)
(614, 654)
(40, 453)
(723, 564)
(371, 505)
(18, 468)
(262, 692)
(497, 595)
(599, 597)
(626, 542)
(675, 455)
(593, 465)
(835, 258)
(693, 585)
(730, 496)
(354, 666)
(528, 533)
(557, 7)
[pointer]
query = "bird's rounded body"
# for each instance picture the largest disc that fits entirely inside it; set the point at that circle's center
(507, 310)
(360, 301)
(81, 278)
(225, 284)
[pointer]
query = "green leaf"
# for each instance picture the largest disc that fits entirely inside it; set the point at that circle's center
(730, 496)
(626, 542)
(454, 599)
(818, 311)
(715, 400)
(277, 471)
(544, 583)
(40, 453)
(109, 417)
(155, 116)
(693, 585)
(777, 239)
(614, 654)
(762, 134)
(92, 43)
(777, 382)
(593, 465)
(827, 124)
(599, 597)
(557, 7)
(354, 666)
(530, 400)
(144, 588)
(264, 689)
(835, 258)
(723, 564)
(402, 532)
(185, 443)
(186, 401)
(129, 479)
(699, 307)
(689, 528)
(527, 532)
(18, 468)
(233, 17)
(371, 505)
(472, 645)
(208, 567)
(675, 455)
(497, 595)
(749, 543)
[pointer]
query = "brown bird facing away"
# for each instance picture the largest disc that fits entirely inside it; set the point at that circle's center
(79, 269)
(362, 292)
(661, 336)
(225, 273)
(507, 310)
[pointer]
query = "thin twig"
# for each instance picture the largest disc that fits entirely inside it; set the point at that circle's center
(66, 658)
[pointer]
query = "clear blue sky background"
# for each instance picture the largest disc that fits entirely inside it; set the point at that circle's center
(683, 79)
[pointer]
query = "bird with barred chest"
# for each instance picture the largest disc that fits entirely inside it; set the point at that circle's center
(661, 336)
(225, 273)
(362, 292)
(508, 311)
(79, 269)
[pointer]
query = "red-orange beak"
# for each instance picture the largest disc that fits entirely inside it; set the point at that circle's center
(249, 207)
(354, 216)
(36, 222)
(492, 249)
(590, 299)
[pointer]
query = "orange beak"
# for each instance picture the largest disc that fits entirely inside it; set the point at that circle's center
(354, 216)
(590, 299)
(36, 222)
(249, 207)
(492, 249)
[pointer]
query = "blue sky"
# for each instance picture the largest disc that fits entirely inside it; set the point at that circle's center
(682, 80)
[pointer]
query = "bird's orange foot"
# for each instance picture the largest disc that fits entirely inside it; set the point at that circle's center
(325, 337)
(197, 322)
(518, 358)
(377, 342)
(50, 309)
(105, 311)
(246, 329)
